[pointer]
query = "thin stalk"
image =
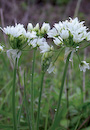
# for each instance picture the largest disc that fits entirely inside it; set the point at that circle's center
(85, 46)
(62, 84)
(58, 55)
(77, 8)
(78, 58)
(67, 97)
(47, 115)
(78, 122)
(39, 102)
(28, 118)
(85, 50)
(13, 97)
(32, 90)
(46, 122)
(61, 88)
(19, 115)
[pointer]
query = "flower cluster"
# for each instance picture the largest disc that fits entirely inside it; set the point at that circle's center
(40, 40)
(18, 36)
(69, 33)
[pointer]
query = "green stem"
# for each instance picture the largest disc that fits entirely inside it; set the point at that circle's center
(78, 57)
(67, 97)
(77, 8)
(39, 102)
(61, 90)
(47, 115)
(58, 55)
(19, 115)
(13, 97)
(28, 118)
(84, 46)
(32, 90)
(62, 84)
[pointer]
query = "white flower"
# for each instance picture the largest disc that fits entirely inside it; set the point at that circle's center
(36, 27)
(64, 34)
(45, 47)
(83, 66)
(33, 43)
(13, 54)
(51, 68)
(45, 27)
(31, 35)
(1, 48)
(30, 27)
(15, 31)
(58, 26)
(37, 42)
(58, 41)
(53, 33)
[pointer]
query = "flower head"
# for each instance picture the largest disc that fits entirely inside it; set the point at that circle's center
(83, 66)
(40, 40)
(15, 31)
(18, 36)
(69, 33)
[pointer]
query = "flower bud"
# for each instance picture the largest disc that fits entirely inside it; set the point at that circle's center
(46, 60)
(36, 28)
(30, 27)
(45, 28)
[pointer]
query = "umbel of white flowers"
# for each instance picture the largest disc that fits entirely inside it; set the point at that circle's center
(18, 39)
(40, 41)
(69, 33)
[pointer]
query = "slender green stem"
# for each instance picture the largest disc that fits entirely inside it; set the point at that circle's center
(32, 90)
(61, 90)
(67, 97)
(62, 84)
(13, 97)
(85, 46)
(77, 8)
(78, 122)
(58, 55)
(47, 115)
(19, 115)
(78, 57)
(28, 118)
(39, 102)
